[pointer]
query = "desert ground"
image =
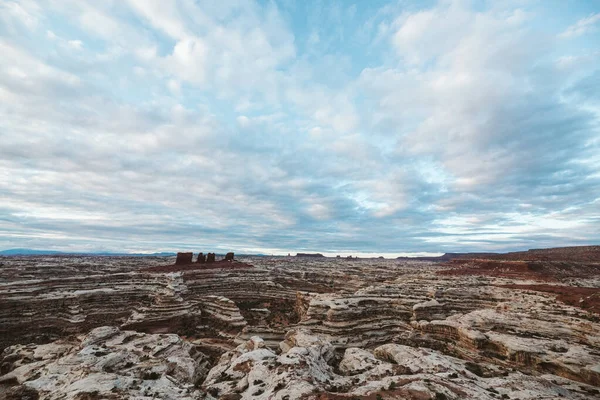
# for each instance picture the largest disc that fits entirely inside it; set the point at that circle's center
(464, 326)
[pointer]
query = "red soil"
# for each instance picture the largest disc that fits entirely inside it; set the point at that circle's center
(545, 271)
(583, 297)
(497, 268)
(583, 254)
(196, 266)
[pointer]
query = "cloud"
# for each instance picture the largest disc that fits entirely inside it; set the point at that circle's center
(582, 27)
(188, 61)
(169, 125)
(75, 44)
(165, 16)
(22, 14)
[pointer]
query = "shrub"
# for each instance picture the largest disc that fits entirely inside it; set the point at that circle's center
(151, 376)
(474, 368)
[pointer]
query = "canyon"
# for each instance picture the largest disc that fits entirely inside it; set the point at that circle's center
(522, 325)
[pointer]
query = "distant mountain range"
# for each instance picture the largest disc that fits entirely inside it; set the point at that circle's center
(572, 253)
(33, 252)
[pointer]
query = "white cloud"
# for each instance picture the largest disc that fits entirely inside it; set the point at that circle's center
(319, 211)
(465, 59)
(213, 118)
(75, 44)
(23, 13)
(189, 60)
(174, 87)
(424, 35)
(31, 71)
(163, 15)
(582, 27)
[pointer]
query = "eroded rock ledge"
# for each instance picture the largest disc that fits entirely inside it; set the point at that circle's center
(107, 363)
(112, 364)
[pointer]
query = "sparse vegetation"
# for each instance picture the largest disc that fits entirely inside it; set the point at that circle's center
(474, 368)
(152, 376)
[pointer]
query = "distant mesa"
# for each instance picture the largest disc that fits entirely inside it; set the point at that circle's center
(573, 253)
(309, 255)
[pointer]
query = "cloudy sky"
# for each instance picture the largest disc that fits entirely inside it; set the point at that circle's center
(282, 126)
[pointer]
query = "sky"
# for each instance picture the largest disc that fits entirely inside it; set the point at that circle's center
(343, 127)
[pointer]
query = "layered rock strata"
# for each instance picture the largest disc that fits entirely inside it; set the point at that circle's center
(504, 321)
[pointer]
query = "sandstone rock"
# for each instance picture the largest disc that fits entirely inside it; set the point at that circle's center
(222, 313)
(108, 363)
(184, 258)
(210, 258)
(19, 393)
(201, 258)
(169, 311)
(356, 361)
(229, 256)
(358, 327)
(305, 367)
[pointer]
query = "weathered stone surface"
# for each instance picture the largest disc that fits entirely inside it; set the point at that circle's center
(357, 327)
(306, 367)
(19, 393)
(108, 364)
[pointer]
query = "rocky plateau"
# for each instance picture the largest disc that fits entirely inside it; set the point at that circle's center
(520, 325)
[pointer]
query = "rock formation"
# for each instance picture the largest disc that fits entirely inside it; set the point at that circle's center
(201, 258)
(184, 258)
(229, 256)
(170, 310)
(308, 365)
(210, 258)
(108, 364)
(321, 328)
